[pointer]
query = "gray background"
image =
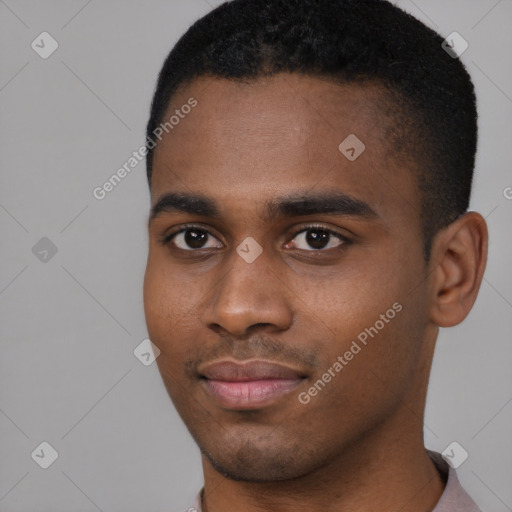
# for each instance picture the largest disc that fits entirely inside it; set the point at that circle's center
(69, 325)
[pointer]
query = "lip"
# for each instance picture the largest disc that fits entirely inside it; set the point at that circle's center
(248, 385)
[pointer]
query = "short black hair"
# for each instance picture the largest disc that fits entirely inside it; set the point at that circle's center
(431, 97)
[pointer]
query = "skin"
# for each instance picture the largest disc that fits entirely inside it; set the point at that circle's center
(357, 444)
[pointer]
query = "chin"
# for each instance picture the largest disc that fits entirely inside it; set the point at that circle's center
(261, 470)
(249, 462)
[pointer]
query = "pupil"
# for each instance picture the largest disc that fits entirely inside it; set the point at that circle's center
(195, 238)
(317, 239)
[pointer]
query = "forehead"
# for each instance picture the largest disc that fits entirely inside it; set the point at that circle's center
(257, 139)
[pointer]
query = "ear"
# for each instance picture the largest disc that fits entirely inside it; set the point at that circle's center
(458, 259)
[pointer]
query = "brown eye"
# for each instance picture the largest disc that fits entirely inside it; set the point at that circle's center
(317, 238)
(190, 239)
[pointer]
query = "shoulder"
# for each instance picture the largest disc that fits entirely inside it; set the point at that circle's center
(454, 497)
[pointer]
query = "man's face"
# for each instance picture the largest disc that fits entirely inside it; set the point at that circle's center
(243, 341)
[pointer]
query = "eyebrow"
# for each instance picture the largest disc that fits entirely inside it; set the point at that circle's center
(294, 205)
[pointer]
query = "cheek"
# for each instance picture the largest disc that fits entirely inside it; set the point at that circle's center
(366, 380)
(350, 298)
(162, 306)
(371, 320)
(153, 291)
(171, 305)
(163, 313)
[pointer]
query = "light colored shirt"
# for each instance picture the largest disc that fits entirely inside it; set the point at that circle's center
(453, 499)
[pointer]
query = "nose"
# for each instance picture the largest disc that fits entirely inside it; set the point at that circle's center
(249, 295)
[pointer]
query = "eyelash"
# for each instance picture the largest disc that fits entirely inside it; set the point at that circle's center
(167, 238)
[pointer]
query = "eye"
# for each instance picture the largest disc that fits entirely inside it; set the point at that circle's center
(190, 238)
(311, 238)
(317, 238)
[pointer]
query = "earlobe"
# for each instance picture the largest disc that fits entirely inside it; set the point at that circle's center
(459, 256)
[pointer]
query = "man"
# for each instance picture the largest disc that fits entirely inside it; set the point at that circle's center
(310, 166)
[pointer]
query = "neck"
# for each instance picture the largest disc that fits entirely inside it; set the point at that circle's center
(385, 472)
